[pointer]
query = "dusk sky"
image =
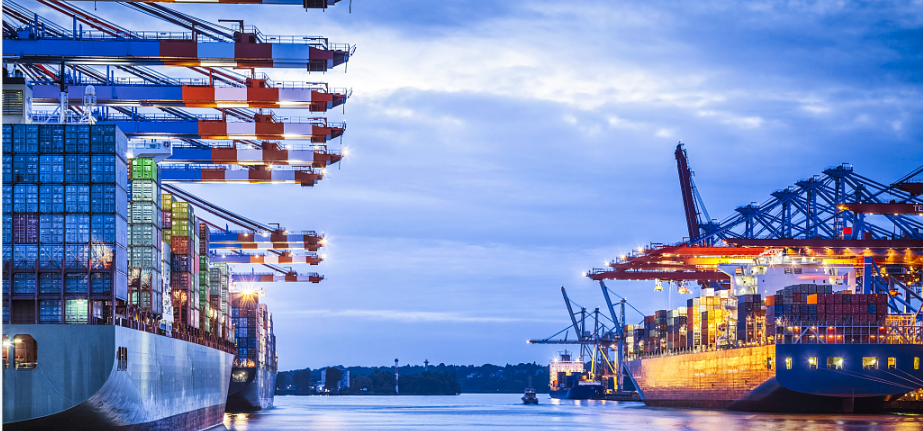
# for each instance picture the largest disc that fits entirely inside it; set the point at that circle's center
(498, 149)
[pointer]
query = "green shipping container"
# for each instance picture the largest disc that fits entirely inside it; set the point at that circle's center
(143, 169)
(180, 211)
(180, 227)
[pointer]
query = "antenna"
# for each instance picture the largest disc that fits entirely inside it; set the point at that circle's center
(89, 103)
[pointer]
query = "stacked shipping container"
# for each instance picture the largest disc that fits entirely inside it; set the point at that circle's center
(206, 314)
(145, 281)
(252, 324)
(65, 228)
(184, 264)
(831, 316)
(711, 322)
(750, 319)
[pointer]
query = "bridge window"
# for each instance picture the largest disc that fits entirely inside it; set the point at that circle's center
(6, 351)
(25, 352)
(869, 363)
(812, 363)
(916, 363)
(788, 363)
(769, 362)
(892, 363)
(834, 363)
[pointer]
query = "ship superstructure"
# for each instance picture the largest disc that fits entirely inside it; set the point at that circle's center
(117, 284)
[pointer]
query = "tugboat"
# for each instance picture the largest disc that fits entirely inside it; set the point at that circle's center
(529, 397)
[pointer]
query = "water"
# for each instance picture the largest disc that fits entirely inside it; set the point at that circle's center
(506, 412)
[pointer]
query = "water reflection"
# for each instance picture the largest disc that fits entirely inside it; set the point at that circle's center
(506, 411)
(237, 421)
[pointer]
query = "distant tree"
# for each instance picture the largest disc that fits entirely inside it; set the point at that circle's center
(283, 379)
(302, 381)
(333, 377)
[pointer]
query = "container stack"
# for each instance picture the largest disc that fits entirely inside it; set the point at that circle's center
(205, 310)
(166, 214)
(750, 319)
(796, 307)
(267, 352)
(631, 339)
(184, 263)
(711, 320)
(244, 314)
(218, 298)
(145, 281)
(65, 229)
(676, 329)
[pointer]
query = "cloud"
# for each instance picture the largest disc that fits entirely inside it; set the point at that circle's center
(499, 151)
(664, 133)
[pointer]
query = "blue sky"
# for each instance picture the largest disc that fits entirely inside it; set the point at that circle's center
(498, 149)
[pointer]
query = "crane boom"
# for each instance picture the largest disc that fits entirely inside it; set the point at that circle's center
(615, 319)
(685, 184)
(570, 312)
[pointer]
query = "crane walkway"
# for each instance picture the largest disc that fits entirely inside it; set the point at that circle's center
(310, 259)
(180, 49)
(268, 277)
(197, 93)
(221, 174)
(199, 126)
(316, 157)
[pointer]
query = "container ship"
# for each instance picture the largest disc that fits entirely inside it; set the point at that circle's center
(253, 378)
(570, 381)
(816, 344)
(112, 315)
(115, 313)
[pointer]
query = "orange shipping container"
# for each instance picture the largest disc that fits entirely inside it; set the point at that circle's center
(812, 298)
(771, 300)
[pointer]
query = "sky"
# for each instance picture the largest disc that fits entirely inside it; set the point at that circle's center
(498, 149)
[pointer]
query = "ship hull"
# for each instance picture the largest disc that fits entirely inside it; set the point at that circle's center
(579, 392)
(78, 383)
(760, 378)
(254, 393)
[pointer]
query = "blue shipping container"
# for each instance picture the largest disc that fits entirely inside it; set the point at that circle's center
(77, 198)
(51, 198)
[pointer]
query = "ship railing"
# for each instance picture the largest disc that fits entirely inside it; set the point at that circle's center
(897, 329)
(179, 331)
(318, 42)
(687, 350)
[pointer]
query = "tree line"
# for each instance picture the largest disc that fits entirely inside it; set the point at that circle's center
(439, 379)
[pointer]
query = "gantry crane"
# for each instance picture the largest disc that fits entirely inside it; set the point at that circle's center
(823, 216)
(44, 51)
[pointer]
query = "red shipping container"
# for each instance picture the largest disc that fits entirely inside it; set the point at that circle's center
(181, 281)
(179, 245)
(25, 228)
(863, 299)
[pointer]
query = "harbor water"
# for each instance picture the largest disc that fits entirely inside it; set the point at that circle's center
(506, 412)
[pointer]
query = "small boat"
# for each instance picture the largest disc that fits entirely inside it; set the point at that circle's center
(529, 397)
